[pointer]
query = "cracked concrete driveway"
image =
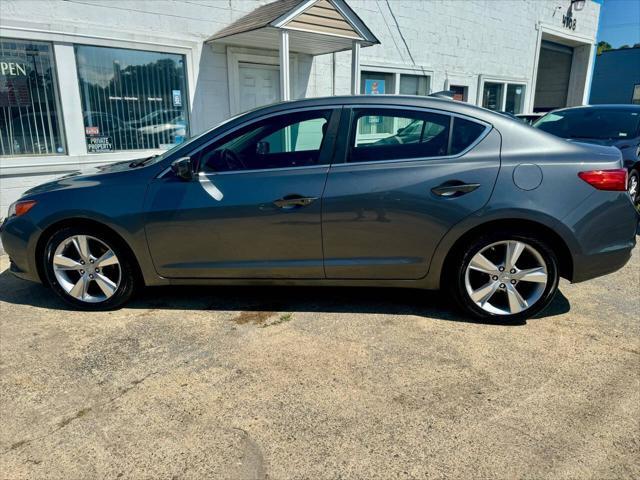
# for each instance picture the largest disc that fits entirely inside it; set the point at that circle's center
(238, 383)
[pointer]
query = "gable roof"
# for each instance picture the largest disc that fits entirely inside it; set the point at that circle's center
(322, 17)
(259, 18)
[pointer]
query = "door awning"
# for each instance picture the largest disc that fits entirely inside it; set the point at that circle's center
(314, 27)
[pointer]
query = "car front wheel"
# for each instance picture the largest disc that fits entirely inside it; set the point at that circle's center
(505, 277)
(89, 269)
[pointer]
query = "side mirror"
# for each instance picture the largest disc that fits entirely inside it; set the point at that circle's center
(183, 168)
(262, 148)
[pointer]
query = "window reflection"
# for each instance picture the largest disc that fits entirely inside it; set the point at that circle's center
(131, 99)
(29, 120)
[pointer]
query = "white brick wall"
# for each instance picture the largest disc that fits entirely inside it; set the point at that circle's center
(454, 39)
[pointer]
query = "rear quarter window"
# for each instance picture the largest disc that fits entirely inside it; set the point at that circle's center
(465, 133)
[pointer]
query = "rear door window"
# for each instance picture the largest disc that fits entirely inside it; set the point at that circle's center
(385, 134)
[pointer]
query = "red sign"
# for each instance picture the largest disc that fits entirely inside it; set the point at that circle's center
(91, 130)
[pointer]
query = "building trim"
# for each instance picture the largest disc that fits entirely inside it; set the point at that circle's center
(560, 34)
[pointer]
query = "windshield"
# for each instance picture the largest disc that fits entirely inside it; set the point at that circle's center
(601, 124)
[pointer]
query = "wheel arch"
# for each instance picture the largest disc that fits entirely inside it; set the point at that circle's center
(80, 222)
(533, 228)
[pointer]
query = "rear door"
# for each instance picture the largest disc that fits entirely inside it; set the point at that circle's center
(401, 179)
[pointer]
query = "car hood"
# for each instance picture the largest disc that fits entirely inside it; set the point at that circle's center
(100, 175)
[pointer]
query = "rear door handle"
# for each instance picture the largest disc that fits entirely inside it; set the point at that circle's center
(294, 201)
(451, 189)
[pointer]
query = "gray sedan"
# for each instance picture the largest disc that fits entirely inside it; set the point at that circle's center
(368, 191)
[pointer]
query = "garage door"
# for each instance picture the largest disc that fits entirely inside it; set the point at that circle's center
(554, 69)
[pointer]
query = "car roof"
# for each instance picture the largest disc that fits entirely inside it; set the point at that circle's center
(400, 101)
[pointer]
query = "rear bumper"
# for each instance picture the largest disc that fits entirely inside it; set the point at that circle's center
(587, 267)
(604, 228)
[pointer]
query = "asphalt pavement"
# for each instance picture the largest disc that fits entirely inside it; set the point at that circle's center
(279, 383)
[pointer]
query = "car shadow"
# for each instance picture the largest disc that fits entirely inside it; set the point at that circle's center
(389, 301)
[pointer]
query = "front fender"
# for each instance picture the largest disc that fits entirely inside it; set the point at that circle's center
(117, 207)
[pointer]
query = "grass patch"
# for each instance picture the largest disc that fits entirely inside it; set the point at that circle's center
(285, 317)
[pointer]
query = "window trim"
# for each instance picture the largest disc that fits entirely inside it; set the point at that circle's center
(505, 81)
(331, 135)
(350, 115)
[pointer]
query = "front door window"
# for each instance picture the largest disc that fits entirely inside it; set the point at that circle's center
(285, 141)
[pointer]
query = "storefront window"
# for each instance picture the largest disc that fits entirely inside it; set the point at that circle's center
(414, 85)
(132, 99)
(492, 97)
(503, 97)
(30, 123)
(515, 98)
(459, 92)
(377, 83)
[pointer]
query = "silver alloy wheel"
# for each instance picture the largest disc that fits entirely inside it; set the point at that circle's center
(86, 268)
(506, 277)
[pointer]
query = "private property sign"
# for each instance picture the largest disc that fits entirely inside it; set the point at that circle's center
(97, 144)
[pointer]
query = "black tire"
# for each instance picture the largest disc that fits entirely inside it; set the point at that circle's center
(634, 175)
(457, 270)
(128, 273)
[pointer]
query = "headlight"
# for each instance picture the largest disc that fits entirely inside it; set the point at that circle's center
(20, 207)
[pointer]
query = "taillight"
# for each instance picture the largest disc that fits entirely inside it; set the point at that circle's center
(615, 180)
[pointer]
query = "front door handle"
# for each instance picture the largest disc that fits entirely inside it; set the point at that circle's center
(294, 201)
(451, 189)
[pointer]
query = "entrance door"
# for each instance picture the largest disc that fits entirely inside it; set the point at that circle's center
(254, 210)
(401, 189)
(259, 85)
(554, 70)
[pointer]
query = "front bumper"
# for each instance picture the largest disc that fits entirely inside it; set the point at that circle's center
(19, 237)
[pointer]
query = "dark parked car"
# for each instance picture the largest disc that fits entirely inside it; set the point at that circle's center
(529, 118)
(311, 193)
(613, 125)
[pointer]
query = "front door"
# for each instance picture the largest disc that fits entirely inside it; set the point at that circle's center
(254, 210)
(259, 85)
(407, 177)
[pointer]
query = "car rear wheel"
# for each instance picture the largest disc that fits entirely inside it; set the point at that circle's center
(634, 186)
(505, 277)
(89, 269)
